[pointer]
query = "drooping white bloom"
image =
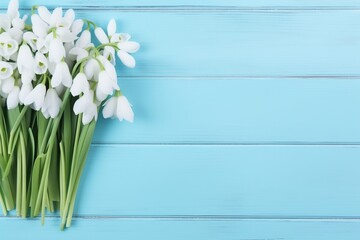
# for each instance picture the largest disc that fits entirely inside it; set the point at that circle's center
(52, 104)
(12, 100)
(31, 39)
(80, 85)
(24, 92)
(41, 64)
(25, 64)
(39, 27)
(106, 86)
(36, 97)
(85, 105)
(61, 75)
(7, 85)
(56, 50)
(91, 69)
(127, 47)
(6, 70)
(118, 107)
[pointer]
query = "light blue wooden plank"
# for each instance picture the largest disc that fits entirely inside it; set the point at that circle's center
(231, 110)
(243, 43)
(240, 43)
(255, 181)
(237, 3)
(139, 229)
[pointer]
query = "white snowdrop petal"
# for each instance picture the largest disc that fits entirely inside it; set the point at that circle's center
(44, 14)
(111, 27)
(130, 47)
(25, 58)
(69, 16)
(18, 23)
(12, 100)
(57, 76)
(39, 27)
(84, 40)
(27, 76)
(124, 110)
(110, 107)
(66, 75)
(101, 36)
(56, 16)
(13, 9)
(5, 22)
(7, 85)
(56, 50)
(91, 68)
(80, 85)
(126, 59)
(25, 90)
(36, 97)
(77, 26)
(16, 35)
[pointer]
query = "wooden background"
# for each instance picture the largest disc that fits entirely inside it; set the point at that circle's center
(247, 125)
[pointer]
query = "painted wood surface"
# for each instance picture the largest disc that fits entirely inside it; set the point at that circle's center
(247, 125)
(190, 3)
(180, 229)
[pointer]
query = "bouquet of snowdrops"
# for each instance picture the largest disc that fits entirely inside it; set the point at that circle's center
(53, 82)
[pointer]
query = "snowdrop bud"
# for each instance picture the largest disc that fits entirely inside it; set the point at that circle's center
(52, 104)
(90, 114)
(6, 70)
(56, 50)
(118, 107)
(24, 91)
(41, 63)
(126, 59)
(80, 85)
(12, 100)
(101, 36)
(36, 97)
(61, 75)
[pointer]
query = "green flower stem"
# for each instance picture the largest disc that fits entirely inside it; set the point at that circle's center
(2, 202)
(15, 127)
(80, 154)
(23, 177)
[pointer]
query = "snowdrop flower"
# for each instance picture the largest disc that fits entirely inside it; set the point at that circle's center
(31, 39)
(24, 92)
(127, 47)
(39, 27)
(52, 104)
(6, 70)
(25, 64)
(12, 100)
(61, 75)
(41, 64)
(123, 44)
(81, 45)
(85, 105)
(91, 69)
(80, 85)
(118, 107)
(36, 97)
(106, 86)
(8, 46)
(7, 85)
(56, 50)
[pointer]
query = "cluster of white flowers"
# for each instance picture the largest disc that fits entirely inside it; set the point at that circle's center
(38, 63)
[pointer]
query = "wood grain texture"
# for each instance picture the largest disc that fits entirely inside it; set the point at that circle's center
(238, 110)
(203, 3)
(160, 229)
(221, 181)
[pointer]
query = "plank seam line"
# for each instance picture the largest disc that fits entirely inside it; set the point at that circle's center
(189, 8)
(285, 144)
(205, 218)
(327, 77)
